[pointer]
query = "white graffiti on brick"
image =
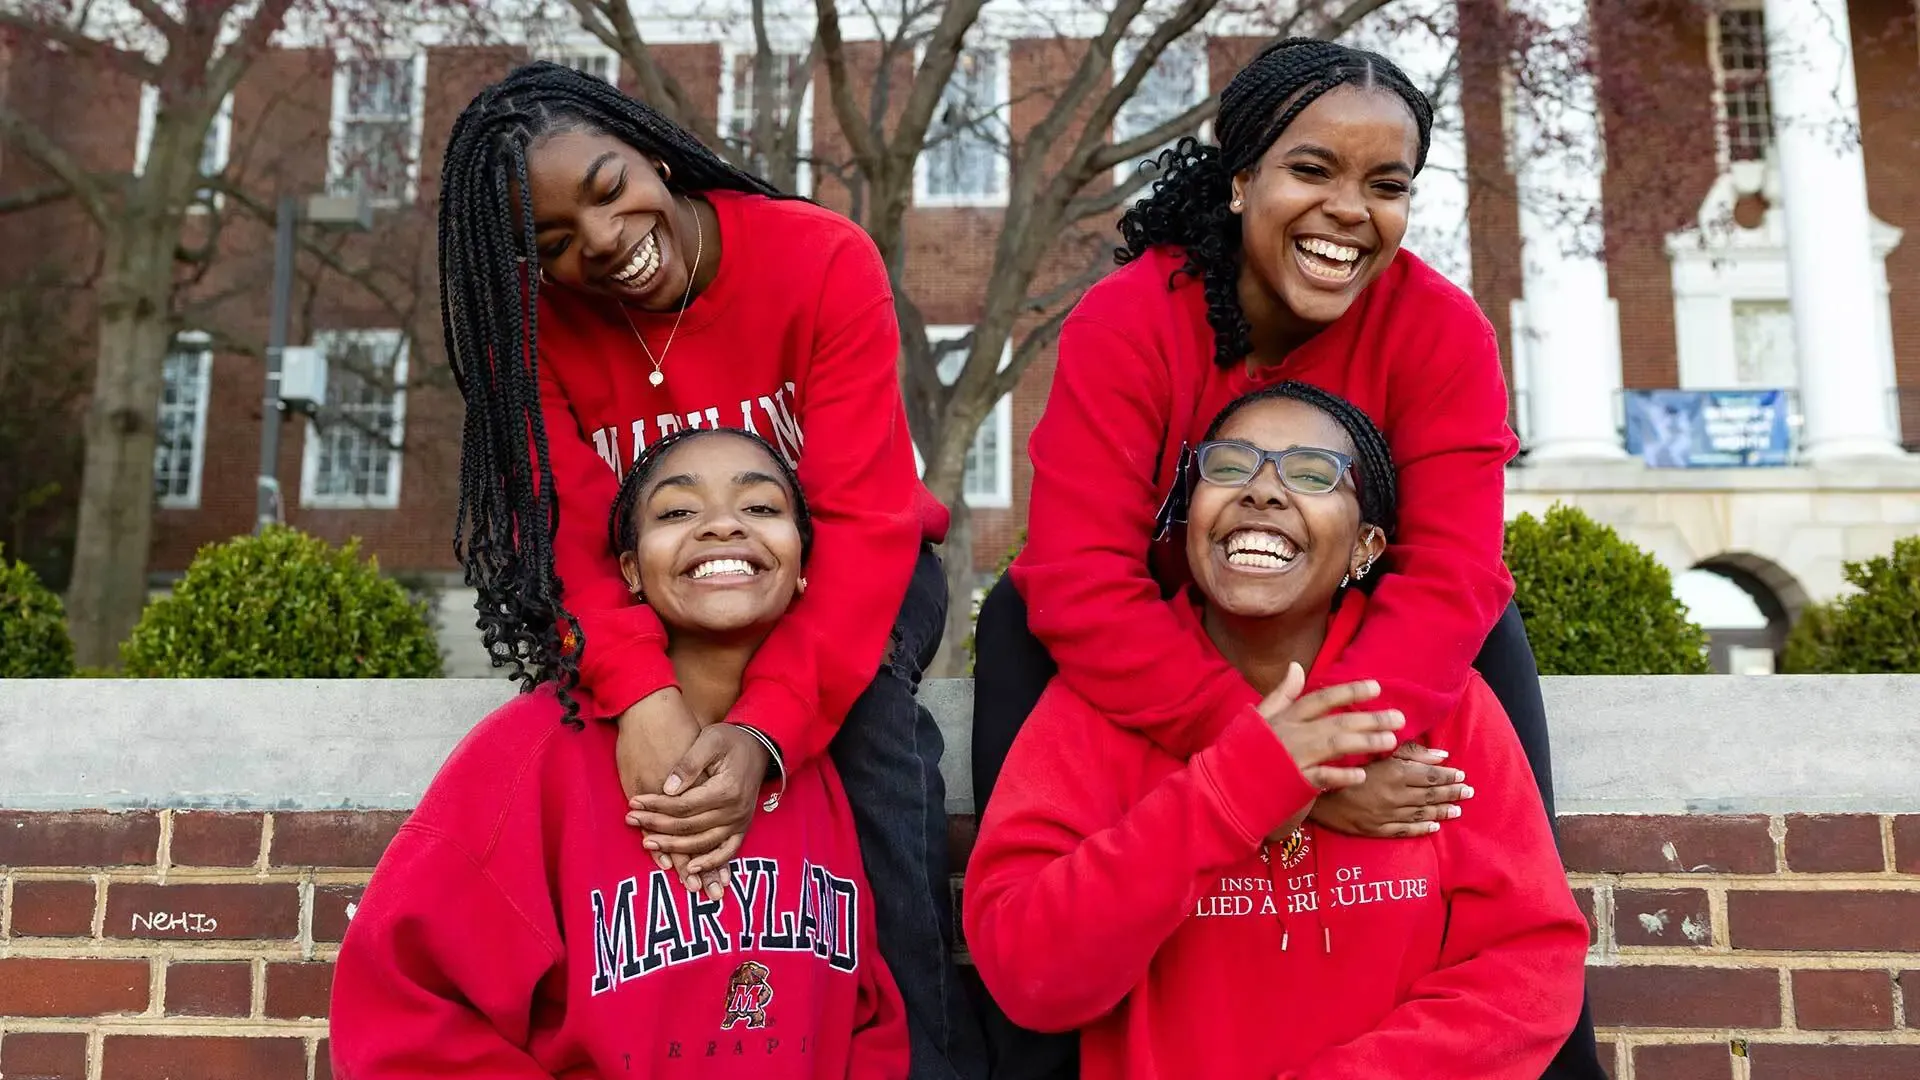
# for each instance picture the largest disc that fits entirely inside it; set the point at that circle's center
(168, 922)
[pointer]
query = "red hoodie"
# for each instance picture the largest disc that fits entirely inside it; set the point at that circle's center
(1134, 901)
(795, 339)
(516, 929)
(1136, 379)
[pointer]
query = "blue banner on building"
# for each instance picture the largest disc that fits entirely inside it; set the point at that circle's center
(1708, 429)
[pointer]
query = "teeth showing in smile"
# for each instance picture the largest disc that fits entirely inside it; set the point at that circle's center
(1328, 260)
(719, 567)
(1259, 550)
(644, 264)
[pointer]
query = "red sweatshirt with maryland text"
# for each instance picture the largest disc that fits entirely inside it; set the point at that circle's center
(516, 929)
(1134, 901)
(794, 339)
(1136, 380)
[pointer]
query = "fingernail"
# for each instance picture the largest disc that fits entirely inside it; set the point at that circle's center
(663, 862)
(653, 845)
(1466, 793)
(1440, 755)
(1459, 777)
(633, 820)
(1433, 826)
(1449, 812)
(672, 786)
(1396, 717)
(1372, 687)
(714, 890)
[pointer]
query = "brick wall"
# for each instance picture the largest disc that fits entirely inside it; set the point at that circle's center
(155, 944)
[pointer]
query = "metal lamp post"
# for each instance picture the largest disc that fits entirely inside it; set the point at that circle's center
(347, 213)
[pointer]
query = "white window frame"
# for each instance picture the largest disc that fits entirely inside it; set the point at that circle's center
(200, 347)
(1000, 497)
(1722, 120)
(310, 497)
(1002, 166)
(568, 54)
(219, 133)
(731, 56)
(337, 123)
(1123, 56)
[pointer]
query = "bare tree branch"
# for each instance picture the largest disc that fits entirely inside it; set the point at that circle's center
(34, 198)
(1127, 149)
(87, 48)
(158, 17)
(35, 143)
(246, 46)
(658, 87)
(1351, 14)
(861, 139)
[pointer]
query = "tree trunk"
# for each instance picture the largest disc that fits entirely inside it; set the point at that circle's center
(945, 478)
(116, 487)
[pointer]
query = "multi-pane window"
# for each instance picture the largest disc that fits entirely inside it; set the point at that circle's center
(965, 159)
(1746, 113)
(353, 448)
(376, 128)
(1176, 82)
(988, 479)
(213, 150)
(597, 63)
(792, 88)
(181, 427)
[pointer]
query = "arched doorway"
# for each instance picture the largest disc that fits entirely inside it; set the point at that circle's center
(1747, 604)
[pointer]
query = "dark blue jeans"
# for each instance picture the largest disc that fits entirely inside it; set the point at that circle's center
(888, 754)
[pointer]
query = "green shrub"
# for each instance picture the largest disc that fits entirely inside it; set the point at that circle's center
(33, 626)
(1876, 629)
(1594, 603)
(283, 605)
(1006, 560)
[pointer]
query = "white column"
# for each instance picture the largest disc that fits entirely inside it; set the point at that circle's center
(1569, 336)
(1844, 394)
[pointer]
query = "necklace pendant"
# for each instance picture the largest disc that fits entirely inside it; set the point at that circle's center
(656, 378)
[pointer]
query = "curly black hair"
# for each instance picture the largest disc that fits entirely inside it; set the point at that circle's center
(623, 527)
(1374, 475)
(489, 295)
(1188, 206)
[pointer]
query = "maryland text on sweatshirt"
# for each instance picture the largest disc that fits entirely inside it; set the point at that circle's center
(795, 339)
(1136, 380)
(1137, 901)
(516, 929)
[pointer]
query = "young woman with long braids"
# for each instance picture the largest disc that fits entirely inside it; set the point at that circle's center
(1184, 911)
(514, 930)
(1272, 256)
(606, 281)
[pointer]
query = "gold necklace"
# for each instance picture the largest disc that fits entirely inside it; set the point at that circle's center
(699, 247)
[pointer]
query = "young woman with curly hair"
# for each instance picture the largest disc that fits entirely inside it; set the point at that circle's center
(1273, 256)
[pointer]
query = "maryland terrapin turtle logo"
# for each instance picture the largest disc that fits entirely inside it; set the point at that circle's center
(748, 995)
(1292, 849)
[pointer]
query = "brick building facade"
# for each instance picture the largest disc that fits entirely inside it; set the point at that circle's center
(1676, 101)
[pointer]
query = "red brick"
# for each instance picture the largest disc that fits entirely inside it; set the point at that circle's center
(1683, 1061)
(1779, 1061)
(322, 1060)
(1834, 843)
(53, 908)
(298, 991)
(207, 839)
(1684, 997)
(40, 987)
(343, 838)
(961, 830)
(1583, 898)
(1843, 1000)
(78, 838)
(1622, 843)
(1910, 993)
(1672, 917)
(169, 1057)
(1609, 1057)
(1845, 921)
(1906, 843)
(210, 989)
(29, 1055)
(330, 904)
(203, 912)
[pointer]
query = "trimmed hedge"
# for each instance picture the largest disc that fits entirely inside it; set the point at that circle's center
(33, 626)
(283, 605)
(1874, 630)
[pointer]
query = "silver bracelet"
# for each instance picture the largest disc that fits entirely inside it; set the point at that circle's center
(772, 802)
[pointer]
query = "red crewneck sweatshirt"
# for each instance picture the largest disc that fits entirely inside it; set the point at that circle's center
(1136, 379)
(1134, 901)
(794, 339)
(515, 929)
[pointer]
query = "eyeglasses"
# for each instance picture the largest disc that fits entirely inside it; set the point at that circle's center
(1303, 470)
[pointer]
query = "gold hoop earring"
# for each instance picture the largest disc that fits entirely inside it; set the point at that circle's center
(666, 173)
(802, 586)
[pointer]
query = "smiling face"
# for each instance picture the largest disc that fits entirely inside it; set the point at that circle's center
(605, 222)
(719, 549)
(1324, 209)
(1261, 550)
